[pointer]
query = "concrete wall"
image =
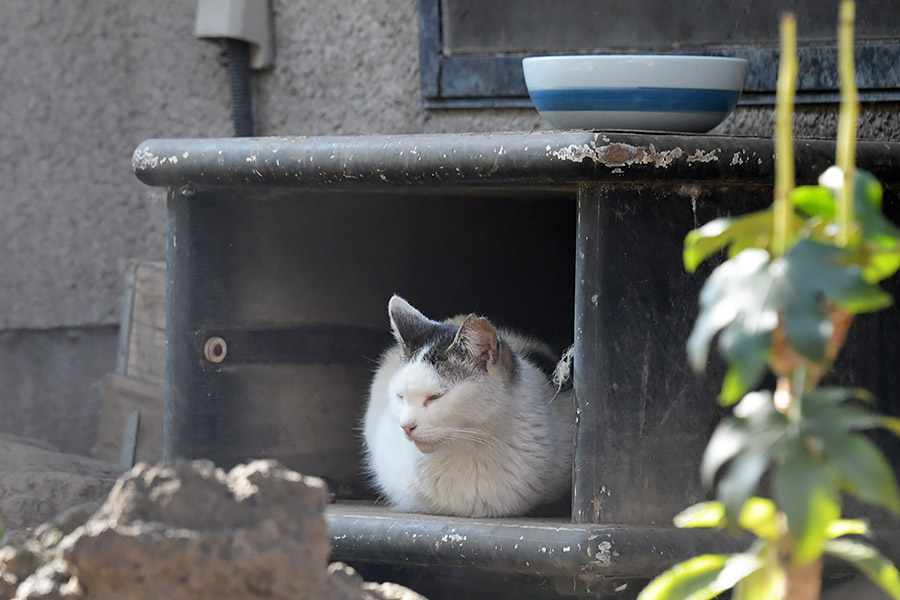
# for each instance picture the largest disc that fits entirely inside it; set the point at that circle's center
(85, 81)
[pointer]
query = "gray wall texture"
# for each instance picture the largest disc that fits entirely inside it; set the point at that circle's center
(85, 81)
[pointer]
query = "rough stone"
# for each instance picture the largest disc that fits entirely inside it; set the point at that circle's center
(37, 483)
(192, 531)
(16, 564)
(256, 531)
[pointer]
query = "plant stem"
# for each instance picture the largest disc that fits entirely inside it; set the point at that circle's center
(784, 122)
(846, 141)
(804, 583)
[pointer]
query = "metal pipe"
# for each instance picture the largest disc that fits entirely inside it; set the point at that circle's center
(239, 79)
(533, 160)
(526, 546)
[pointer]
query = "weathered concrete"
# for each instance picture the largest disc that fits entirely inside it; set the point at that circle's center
(85, 81)
(48, 383)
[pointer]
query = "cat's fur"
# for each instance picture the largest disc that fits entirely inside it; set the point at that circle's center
(460, 421)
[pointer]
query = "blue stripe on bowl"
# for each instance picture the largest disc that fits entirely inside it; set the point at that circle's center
(636, 99)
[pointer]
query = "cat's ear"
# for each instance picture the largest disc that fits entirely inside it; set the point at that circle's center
(407, 323)
(476, 341)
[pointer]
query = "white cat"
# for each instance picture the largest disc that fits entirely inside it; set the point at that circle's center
(460, 421)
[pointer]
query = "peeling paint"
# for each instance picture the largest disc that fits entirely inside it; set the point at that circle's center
(619, 155)
(603, 555)
(704, 157)
(144, 159)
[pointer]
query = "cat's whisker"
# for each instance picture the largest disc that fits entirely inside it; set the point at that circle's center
(488, 440)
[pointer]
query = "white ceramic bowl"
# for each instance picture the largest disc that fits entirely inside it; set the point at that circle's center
(635, 92)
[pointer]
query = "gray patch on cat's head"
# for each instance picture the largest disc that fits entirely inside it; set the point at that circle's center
(474, 349)
(413, 330)
(457, 353)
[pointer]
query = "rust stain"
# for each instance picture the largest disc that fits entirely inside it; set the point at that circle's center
(619, 153)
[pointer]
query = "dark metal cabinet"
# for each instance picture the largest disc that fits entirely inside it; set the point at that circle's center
(283, 252)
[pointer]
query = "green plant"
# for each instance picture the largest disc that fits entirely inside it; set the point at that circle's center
(795, 276)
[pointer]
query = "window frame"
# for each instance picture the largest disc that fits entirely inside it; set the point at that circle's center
(496, 80)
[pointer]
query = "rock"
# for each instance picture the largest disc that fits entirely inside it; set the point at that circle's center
(192, 531)
(37, 482)
(16, 564)
(51, 581)
(347, 583)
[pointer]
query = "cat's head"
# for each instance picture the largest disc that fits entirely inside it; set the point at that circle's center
(451, 379)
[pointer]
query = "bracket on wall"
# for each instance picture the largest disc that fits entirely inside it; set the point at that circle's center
(246, 20)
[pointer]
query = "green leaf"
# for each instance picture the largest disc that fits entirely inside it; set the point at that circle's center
(690, 579)
(806, 490)
(883, 261)
(839, 419)
(768, 582)
(892, 424)
(760, 517)
(809, 273)
(867, 199)
(865, 473)
(846, 527)
(828, 270)
(752, 230)
(835, 395)
(728, 439)
(868, 189)
(869, 561)
(879, 247)
(704, 241)
(704, 514)
(741, 479)
(826, 411)
(735, 296)
(764, 584)
(733, 386)
(747, 441)
(814, 200)
(747, 358)
(702, 577)
(743, 298)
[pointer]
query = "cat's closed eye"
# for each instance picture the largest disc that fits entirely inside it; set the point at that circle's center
(431, 398)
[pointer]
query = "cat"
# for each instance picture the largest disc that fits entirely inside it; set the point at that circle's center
(460, 420)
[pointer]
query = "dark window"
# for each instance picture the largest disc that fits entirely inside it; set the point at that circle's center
(471, 50)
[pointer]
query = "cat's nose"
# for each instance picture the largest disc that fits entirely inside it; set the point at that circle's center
(408, 429)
